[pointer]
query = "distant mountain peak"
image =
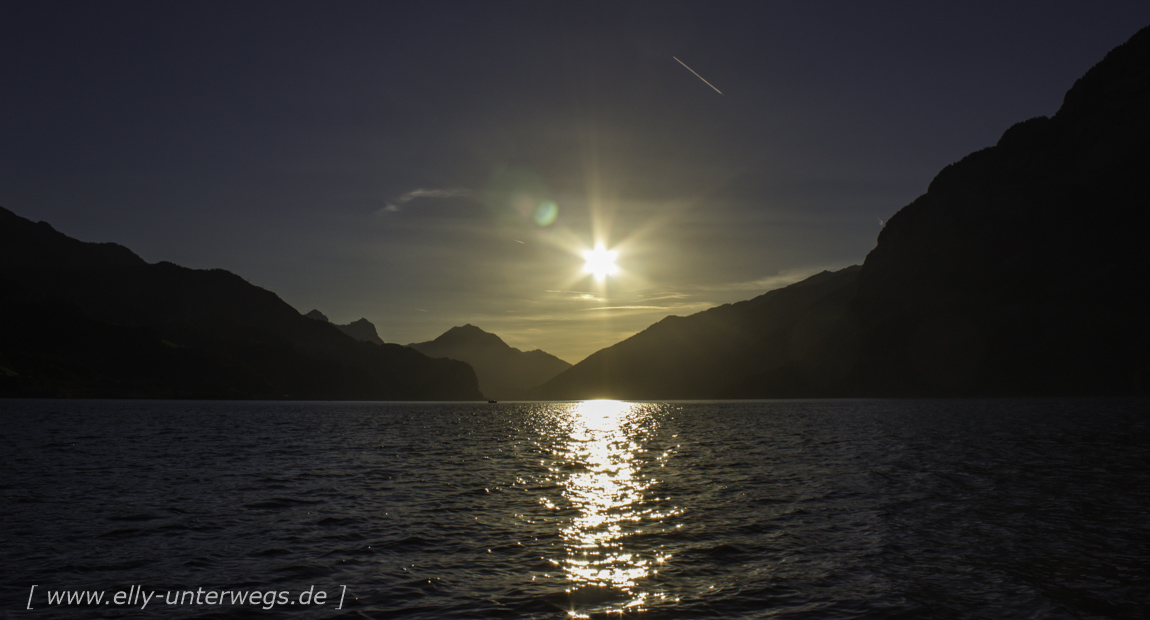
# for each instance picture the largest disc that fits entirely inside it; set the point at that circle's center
(504, 372)
(361, 329)
(471, 335)
(467, 328)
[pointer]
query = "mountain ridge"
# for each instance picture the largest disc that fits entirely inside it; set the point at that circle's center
(361, 329)
(84, 319)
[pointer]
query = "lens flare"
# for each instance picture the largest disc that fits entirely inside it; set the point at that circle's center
(546, 213)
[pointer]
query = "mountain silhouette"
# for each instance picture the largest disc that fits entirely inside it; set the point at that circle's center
(1023, 270)
(362, 330)
(95, 320)
(718, 352)
(318, 316)
(505, 373)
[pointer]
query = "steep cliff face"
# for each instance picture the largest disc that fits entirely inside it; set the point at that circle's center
(86, 319)
(1024, 268)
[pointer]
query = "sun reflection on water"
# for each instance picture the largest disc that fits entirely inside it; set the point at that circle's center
(602, 482)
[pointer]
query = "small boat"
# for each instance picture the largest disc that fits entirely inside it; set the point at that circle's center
(492, 401)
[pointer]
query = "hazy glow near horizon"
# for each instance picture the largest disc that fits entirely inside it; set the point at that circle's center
(600, 262)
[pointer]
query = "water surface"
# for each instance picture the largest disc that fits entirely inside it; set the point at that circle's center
(759, 509)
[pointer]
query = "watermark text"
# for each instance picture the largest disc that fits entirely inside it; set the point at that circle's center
(139, 596)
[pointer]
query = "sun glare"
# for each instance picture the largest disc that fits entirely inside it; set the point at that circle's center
(600, 262)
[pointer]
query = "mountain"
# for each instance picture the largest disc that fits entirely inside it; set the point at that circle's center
(94, 320)
(505, 373)
(718, 352)
(318, 316)
(1023, 270)
(362, 330)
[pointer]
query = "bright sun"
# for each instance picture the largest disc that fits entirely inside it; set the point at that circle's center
(600, 262)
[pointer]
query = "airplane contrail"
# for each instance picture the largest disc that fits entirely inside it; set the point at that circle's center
(698, 76)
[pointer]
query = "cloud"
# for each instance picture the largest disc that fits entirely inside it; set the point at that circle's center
(434, 193)
(395, 206)
(660, 296)
(688, 307)
(629, 308)
(576, 296)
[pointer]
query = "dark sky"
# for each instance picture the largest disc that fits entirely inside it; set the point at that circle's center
(431, 164)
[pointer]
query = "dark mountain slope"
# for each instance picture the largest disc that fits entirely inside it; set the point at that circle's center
(504, 372)
(723, 352)
(1025, 268)
(85, 319)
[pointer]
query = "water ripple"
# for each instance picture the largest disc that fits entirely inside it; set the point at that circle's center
(601, 509)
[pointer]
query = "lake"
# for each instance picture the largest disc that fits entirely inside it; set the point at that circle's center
(1005, 508)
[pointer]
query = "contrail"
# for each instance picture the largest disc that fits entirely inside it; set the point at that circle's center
(698, 76)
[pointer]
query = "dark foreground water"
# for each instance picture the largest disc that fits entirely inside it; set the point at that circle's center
(770, 509)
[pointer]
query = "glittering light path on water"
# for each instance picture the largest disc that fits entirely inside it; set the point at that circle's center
(604, 481)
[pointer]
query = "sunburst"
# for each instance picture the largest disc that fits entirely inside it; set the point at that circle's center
(600, 262)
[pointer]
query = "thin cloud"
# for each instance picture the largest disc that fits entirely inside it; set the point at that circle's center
(395, 206)
(660, 296)
(628, 308)
(577, 296)
(690, 307)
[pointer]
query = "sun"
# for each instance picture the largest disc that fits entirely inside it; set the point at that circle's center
(600, 262)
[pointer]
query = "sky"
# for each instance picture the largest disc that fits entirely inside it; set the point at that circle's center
(430, 164)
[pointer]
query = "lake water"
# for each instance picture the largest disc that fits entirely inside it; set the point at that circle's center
(600, 509)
